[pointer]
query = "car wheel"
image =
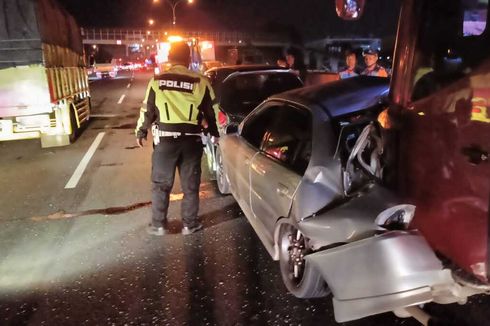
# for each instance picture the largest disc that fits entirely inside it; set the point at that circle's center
(300, 278)
(221, 179)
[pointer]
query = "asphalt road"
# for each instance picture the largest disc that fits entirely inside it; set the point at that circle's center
(81, 256)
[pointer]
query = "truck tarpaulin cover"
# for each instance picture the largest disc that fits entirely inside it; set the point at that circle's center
(26, 24)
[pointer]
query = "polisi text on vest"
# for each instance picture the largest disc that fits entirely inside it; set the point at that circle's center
(176, 84)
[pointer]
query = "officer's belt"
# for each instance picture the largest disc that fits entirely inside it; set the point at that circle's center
(175, 134)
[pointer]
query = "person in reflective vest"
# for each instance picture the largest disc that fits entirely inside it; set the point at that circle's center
(178, 103)
(372, 66)
(351, 70)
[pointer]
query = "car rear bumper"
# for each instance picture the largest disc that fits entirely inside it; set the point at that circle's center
(384, 273)
(106, 74)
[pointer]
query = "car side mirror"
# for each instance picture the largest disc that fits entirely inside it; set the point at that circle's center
(232, 128)
(349, 9)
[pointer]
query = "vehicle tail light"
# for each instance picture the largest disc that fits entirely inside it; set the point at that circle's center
(222, 119)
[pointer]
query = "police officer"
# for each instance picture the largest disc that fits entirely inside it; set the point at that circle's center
(177, 103)
(351, 70)
(295, 61)
(372, 66)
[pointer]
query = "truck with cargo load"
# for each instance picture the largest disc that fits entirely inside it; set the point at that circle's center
(44, 91)
(105, 69)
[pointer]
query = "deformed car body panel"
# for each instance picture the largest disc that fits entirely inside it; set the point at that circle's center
(397, 265)
(350, 221)
(349, 310)
(320, 185)
(322, 181)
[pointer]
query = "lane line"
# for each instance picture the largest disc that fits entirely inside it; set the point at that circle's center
(129, 85)
(72, 183)
(121, 99)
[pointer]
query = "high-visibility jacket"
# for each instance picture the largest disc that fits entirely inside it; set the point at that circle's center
(377, 71)
(178, 100)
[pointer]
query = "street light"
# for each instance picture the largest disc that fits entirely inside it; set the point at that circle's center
(151, 22)
(173, 5)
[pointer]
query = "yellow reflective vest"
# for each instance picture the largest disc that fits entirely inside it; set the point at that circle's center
(178, 100)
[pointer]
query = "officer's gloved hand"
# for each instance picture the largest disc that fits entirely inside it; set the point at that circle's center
(214, 140)
(139, 141)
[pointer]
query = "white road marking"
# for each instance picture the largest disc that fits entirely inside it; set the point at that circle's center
(72, 183)
(121, 99)
(108, 115)
(129, 85)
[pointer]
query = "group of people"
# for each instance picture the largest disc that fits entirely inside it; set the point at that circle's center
(371, 61)
(295, 62)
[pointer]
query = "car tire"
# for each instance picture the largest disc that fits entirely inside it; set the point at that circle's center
(221, 178)
(303, 280)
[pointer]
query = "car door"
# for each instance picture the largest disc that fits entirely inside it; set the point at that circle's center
(238, 151)
(236, 156)
(276, 171)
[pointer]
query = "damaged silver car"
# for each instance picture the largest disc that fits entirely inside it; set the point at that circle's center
(306, 167)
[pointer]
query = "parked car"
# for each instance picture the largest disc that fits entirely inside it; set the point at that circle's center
(238, 94)
(208, 64)
(306, 167)
(217, 74)
(126, 66)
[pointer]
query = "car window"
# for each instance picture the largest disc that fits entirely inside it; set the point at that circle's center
(445, 49)
(253, 129)
(241, 94)
(287, 138)
(475, 17)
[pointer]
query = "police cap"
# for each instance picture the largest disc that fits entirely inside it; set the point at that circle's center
(370, 51)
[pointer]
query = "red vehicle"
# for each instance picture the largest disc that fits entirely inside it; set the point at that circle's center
(437, 130)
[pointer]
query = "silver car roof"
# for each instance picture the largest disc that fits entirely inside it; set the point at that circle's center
(340, 97)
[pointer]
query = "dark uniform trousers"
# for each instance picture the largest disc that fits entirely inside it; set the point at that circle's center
(183, 153)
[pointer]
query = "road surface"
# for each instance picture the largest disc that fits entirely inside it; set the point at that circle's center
(73, 249)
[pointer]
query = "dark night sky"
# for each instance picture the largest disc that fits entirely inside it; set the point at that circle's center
(312, 18)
